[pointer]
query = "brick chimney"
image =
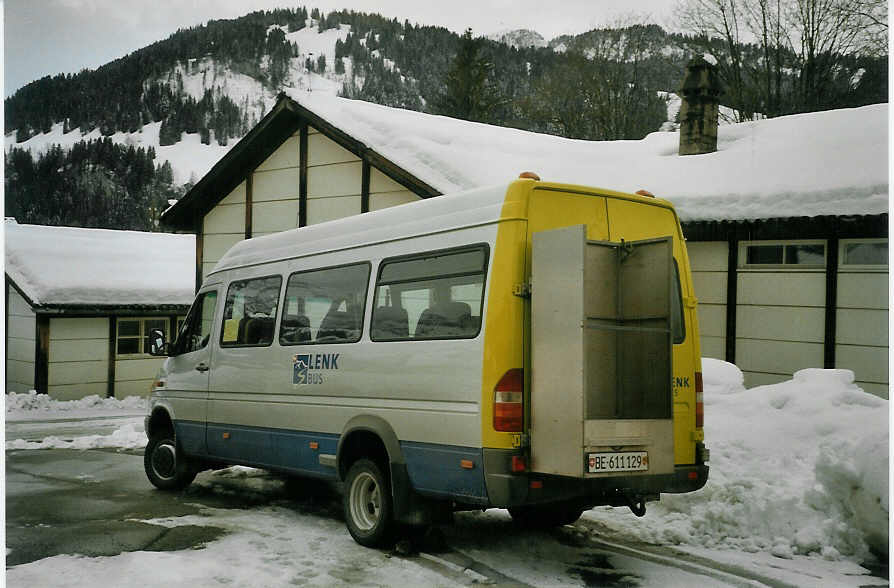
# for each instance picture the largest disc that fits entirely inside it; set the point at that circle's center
(698, 112)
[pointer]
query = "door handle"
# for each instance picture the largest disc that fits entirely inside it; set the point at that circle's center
(202, 367)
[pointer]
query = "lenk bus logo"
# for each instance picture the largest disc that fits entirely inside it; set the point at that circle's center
(306, 367)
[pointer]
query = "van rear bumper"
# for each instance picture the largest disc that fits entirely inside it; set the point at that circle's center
(505, 488)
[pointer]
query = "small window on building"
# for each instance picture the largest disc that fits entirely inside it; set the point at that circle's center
(433, 296)
(133, 334)
(250, 312)
(868, 253)
(785, 255)
(325, 306)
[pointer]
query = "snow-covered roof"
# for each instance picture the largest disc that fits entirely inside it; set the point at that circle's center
(68, 266)
(824, 163)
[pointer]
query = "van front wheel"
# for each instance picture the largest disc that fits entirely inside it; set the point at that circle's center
(166, 466)
(367, 504)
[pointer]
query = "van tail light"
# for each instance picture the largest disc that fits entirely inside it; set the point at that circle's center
(699, 401)
(509, 394)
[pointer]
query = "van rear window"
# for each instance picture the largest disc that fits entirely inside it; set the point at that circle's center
(678, 325)
(437, 295)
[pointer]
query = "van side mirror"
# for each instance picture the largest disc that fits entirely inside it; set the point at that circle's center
(157, 344)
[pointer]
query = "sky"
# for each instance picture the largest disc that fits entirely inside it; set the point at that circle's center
(47, 37)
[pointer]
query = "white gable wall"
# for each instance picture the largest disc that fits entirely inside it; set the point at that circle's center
(223, 227)
(334, 190)
(20, 340)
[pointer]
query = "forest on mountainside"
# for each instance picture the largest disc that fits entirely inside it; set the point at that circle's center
(96, 183)
(605, 84)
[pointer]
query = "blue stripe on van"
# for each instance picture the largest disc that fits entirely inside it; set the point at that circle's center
(191, 436)
(435, 470)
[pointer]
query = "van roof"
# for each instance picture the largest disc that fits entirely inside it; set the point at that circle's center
(463, 209)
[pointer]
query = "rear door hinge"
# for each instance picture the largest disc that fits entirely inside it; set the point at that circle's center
(522, 290)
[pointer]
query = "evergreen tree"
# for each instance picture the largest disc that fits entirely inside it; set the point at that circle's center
(469, 92)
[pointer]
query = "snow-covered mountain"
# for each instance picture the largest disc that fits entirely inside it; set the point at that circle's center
(519, 38)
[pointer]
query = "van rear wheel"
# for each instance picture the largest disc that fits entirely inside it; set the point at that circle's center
(367, 504)
(544, 517)
(166, 466)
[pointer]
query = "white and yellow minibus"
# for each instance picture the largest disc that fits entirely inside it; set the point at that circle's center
(532, 347)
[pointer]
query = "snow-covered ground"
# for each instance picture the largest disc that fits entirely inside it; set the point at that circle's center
(798, 491)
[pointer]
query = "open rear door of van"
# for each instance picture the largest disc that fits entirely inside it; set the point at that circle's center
(601, 356)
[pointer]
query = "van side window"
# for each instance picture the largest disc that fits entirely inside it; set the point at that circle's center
(250, 312)
(436, 295)
(325, 306)
(196, 329)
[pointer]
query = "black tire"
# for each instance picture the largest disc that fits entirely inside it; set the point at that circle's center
(545, 517)
(166, 466)
(367, 504)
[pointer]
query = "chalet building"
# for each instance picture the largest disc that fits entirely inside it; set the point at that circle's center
(80, 304)
(786, 221)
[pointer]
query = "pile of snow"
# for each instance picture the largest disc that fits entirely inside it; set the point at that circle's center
(128, 436)
(797, 468)
(44, 405)
(824, 163)
(67, 265)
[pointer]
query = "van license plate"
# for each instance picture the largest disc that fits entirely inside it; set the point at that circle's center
(628, 461)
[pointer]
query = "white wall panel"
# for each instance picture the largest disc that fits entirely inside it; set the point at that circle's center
(782, 288)
(224, 218)
(323, 209)
(712, 320)
(389, 199)
(379, 182)
(280, 215)
(286, 155)
(862, 327)
(17, 305)
(234, 197)
(76, 391)
(863, 290)
(880, 390)
(321, 150)
(779, 357)
(334, 180)
(22, 327)
(78, 372)
(274, 185)
(713, 347)
(137, 369)
(78, 329)
(869, 364)
(708, 255)
(781, 323)
(710, 287)
(20, 349)
(214, 246)
(132, 388)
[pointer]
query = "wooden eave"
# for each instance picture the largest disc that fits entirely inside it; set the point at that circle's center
(286, 117)
(799, 227)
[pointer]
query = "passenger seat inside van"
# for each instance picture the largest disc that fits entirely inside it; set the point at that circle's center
(259, 331)
(338, 325)
(390, 322)
(450, 319)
